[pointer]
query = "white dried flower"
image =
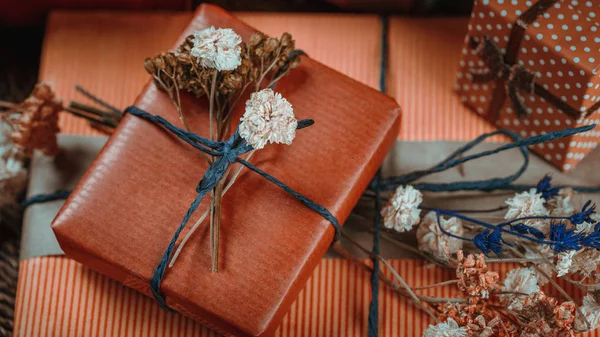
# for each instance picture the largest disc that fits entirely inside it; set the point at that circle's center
(402, 211)
(269, 118)
(445, 329)
(217, 48)
(564, 262)
(528, 204)
(585, 227)
(432, 240)
(585, 262)
(561, 205)
(591, 311)
(520, 280)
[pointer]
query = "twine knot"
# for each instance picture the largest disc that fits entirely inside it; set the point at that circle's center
(515, 76)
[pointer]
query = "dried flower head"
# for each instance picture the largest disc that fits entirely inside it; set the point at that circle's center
(585, 262)
(561, 204)
(269, 118)
(402, 211)
(483, 328)
(528, 204)
(542, 315)
(564, 261)
(432, 239)
(521, 281)
(37, 125)
(449, 328)
(473, 276)
(591, 311)
(217, 48)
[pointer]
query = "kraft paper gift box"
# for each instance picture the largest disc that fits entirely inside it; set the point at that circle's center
(531, 67)
(119, 218)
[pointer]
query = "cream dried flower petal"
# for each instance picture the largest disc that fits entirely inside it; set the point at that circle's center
(217, 48)
(520, 280)
(528, 204)
(449, 328)
(585, 262)
(269, 118)
(561, 204)
(591, 310)
(433, 240)
(564, 262)
(402, 211)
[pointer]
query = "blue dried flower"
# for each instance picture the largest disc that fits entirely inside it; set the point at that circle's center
(564, 239)
(584, 215)
(488, 241)
(592, 240)
(545, 188)
(524, 229)
(597, 227)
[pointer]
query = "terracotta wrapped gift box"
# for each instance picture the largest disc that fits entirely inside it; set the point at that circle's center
(530, 66)
(122, 214)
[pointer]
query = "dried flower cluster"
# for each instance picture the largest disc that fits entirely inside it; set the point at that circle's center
(433, 240)
(474, 277)
(269, 118)
(220, 56)
(402, 212)
(34, 121)
(25, 127)
(217, 64)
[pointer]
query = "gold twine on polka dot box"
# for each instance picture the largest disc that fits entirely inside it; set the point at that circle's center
(531, 67)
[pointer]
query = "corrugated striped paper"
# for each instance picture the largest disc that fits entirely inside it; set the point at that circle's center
(104, 53)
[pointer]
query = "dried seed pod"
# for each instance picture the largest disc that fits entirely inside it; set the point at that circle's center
(271, 44)
(149, 66)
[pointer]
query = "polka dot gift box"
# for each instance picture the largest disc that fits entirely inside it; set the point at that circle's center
(531, 67)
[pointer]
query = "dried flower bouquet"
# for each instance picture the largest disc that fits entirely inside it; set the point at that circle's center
(540, 227)
(216, 64)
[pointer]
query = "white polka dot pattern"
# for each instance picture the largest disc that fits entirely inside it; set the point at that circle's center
(562, 49)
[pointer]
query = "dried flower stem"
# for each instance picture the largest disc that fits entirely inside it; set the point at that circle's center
(441, 284)
(213, 86)
(176, 99)
(216, 224)
(206, 213)
(395, 286)
(408, 289)
(264, 73)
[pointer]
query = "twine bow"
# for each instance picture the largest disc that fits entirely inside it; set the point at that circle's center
(227, 153)
(514, 76)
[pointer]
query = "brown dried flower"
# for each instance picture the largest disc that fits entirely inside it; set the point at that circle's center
(474, 277)
(543, 316)
(37, 125)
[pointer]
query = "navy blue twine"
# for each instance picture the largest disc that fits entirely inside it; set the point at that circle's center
(41, 198)
(227, 153)
(373, 328)
(457, 158)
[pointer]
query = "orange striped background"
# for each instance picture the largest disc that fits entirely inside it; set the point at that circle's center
(59, 297)
(104, 53)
